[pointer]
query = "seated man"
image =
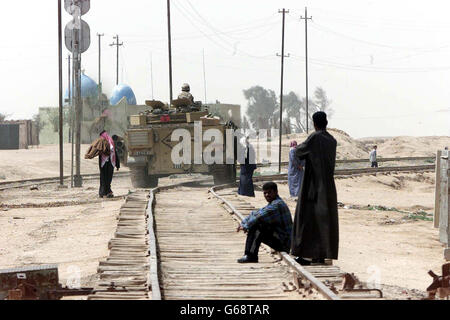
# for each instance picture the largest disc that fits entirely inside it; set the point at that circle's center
(271, 225)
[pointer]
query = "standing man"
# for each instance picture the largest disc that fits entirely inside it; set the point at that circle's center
(295, 172)
(246, 187)
(373, 157)
(271, 225)
(315, 232)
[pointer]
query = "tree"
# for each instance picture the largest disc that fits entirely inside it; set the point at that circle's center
(321, 102)
(263, 109)
(3, 116)
(38, 122)
(293, 106)
(296, 108)
(53, 117)
(245, 123)
(262, 104)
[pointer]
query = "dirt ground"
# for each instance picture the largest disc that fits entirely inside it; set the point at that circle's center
(48, 231)
(396, 242)
(41, 162)
(68, 227)
(72, 227)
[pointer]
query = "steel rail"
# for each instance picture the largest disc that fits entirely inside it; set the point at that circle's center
(285, 163)
(153, 276)
(318, 285)
(347, 172)
(153, 279)
(14, 184)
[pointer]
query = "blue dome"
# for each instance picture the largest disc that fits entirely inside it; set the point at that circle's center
(89, 88)
(120, 91)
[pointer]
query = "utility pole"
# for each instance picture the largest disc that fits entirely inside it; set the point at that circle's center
(78, 180)
(170, 52)
(70, 105)
(72, 124)
(284, 11)
(69, 94)
(117, 44)
(77, 39)
(306, 18)
(61, 164)
(204, 73)
(100, 67)
(151, 72)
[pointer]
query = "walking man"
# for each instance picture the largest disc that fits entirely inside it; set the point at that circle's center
(373, 157)
(316, 231)
(105, 148)
(271, 225)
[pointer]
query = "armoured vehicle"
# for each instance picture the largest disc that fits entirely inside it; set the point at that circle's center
(148, 143)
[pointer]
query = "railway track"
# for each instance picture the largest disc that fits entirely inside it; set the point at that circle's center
(5, 185)
(180, 242)
(348, 161)
(361, 171)
(329, 280)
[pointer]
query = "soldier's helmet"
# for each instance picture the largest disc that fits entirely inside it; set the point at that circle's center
(185, 87)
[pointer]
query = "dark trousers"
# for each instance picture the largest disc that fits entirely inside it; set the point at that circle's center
(261, 234)
(374, 164)
(106, 175)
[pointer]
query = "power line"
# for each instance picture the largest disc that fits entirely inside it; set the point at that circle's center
(371, 69)
(328, 30)
(351, 19)
(217, 33)
(201, 31)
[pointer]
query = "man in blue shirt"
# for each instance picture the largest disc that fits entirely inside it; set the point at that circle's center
(271, 225)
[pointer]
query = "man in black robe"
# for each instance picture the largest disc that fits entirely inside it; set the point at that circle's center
(315, 233)
(246, 187)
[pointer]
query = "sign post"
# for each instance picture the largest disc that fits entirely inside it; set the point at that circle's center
(77, 40)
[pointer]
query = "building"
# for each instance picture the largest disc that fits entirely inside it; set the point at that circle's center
(104, 114)
(18, 134)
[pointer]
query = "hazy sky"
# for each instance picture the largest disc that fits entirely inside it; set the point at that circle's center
(384, 64)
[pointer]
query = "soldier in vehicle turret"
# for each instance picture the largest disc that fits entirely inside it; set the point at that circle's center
(185, 88)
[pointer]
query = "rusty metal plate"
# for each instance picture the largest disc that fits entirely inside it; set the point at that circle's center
(41, 278)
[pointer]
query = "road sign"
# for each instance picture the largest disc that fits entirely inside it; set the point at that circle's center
(85, 36)
(84, 5)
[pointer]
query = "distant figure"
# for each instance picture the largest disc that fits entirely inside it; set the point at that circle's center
(185, 88)
(246, 187)
(315, 232)
(373, 157)
(295, 171)
(271, 225)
